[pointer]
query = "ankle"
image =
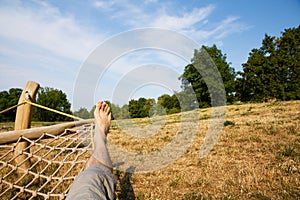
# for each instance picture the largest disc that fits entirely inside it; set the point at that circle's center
(94, 161)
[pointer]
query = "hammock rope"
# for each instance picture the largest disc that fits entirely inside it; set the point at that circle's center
(55, 161)
(26, 101)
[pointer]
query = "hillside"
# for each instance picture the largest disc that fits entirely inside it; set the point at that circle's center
(257, 157)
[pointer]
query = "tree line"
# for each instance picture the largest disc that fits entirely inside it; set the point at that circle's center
(271, 72)
(49, 97)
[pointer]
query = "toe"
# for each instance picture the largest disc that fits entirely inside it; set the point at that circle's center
(98, 107)
(104, 105)
(108, 109)
(99, 104)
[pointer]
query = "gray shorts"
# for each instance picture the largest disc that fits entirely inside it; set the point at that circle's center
(96, 182)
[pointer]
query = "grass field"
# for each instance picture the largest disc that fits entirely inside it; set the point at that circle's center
(257, 156)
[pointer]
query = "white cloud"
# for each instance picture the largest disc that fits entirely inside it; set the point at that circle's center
(45, 27)
(216, 33)
(105, 5)
(186, 21)
(195, 23)
(40, 43)
(150, 1)
(43, 43)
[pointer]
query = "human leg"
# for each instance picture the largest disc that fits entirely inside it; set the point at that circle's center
(97, 180)
(100, 155)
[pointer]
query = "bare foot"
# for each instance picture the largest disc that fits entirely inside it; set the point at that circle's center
(102, 116)
(100, 155)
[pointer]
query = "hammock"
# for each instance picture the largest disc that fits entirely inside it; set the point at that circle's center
(42, 163)
(55, 160)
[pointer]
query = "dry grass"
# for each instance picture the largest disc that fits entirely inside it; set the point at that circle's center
(257, 155)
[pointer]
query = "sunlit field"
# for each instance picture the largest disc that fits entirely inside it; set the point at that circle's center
(256, 157)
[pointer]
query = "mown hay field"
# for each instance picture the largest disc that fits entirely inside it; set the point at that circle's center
(257, 155)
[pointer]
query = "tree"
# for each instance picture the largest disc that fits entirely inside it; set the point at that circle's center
(273, 70)
(187, 98)
(124, 112)
(119, 112)
(82, 113)
(140, 108)
(210, 62)
(115, 110)
(55, 99)
(8, 99)
(288, 60)
(92, 112)
(257, 76)
(169, 103)
(134, 109)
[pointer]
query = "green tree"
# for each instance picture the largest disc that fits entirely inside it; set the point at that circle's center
(92, 112)
(140, 108)
(169, 103)
(134, 108)
(187, 98)
(8, 99)
(117, 111)
(260, 78)
(124, 112)
(288, 60)
(82, 113)
(257, 76)
(273, 70)
(55, 99)
(211, 63)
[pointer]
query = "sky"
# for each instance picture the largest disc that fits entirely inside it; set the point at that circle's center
(118, 50)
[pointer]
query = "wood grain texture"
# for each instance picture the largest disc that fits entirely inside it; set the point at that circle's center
(23, 121)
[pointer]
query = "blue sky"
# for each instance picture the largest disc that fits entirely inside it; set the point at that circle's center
(49, 41)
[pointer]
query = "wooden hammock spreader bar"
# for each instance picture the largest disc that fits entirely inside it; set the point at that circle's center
(34, 133)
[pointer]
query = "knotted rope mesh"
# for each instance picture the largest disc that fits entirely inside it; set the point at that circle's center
(55, 162)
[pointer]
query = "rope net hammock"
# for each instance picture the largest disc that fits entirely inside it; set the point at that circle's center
(42, 162)
(55, 161)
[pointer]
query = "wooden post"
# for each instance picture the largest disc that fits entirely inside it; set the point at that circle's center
(23, 121)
